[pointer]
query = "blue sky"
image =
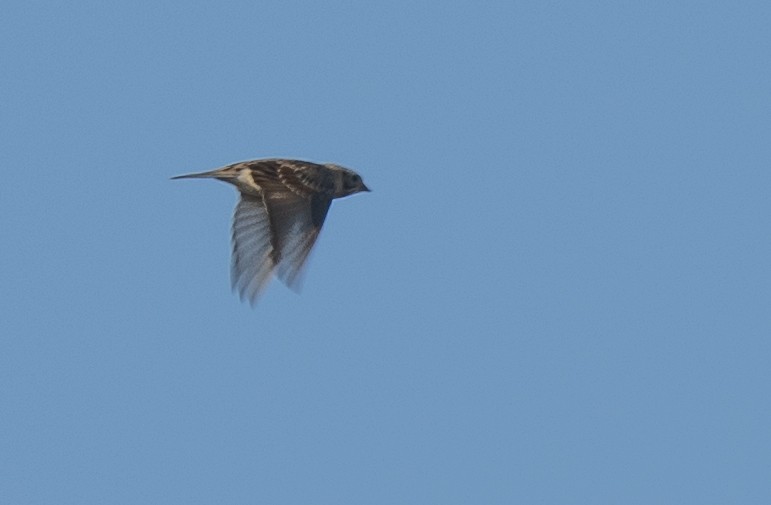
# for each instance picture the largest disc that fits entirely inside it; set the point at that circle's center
(557, 292)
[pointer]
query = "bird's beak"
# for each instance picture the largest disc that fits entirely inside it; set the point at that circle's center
(365, 188)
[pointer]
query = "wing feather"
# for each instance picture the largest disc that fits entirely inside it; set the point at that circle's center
(296, 223)
(251, 263)
(276, 229)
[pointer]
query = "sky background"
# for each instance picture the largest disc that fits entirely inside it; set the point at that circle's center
(557, 292)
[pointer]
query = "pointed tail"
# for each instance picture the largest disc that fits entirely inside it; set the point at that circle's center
(199, 175)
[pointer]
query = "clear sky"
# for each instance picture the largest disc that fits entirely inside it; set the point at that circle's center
(558, 291)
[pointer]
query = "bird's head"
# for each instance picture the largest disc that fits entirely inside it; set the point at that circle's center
(351, 181)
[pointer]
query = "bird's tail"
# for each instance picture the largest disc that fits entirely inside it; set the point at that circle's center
(221, 173)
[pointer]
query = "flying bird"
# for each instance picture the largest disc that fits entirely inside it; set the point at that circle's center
(278, 217)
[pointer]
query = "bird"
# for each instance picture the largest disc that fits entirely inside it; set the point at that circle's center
(278, 217)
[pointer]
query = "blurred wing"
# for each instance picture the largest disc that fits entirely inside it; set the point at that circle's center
(252, 261)
(296, 223)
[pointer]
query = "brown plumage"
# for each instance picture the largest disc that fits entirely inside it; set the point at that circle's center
(279, 216)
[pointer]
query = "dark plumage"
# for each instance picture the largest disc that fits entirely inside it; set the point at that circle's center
(279, 216)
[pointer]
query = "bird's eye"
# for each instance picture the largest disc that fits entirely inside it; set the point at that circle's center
(355, 179)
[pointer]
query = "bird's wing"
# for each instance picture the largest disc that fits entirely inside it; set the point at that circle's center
(295, 222)
(302, 178)
(252, 261)
(276, 228)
